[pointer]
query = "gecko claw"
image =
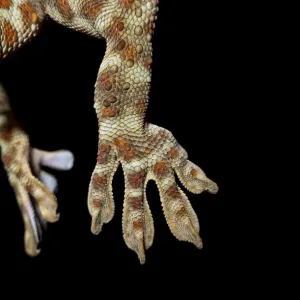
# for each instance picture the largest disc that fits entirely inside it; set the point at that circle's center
(198, 243)
(212, 187)
(96, 227)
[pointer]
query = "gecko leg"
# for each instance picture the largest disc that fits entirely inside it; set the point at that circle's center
(37, 203)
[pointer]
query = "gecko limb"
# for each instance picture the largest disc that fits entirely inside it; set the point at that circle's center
(155, 155)
(34, 194)
(145, 151)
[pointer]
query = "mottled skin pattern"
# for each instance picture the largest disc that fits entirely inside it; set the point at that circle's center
(145, 151)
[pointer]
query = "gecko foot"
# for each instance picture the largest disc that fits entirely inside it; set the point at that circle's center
(152, 155)
(35, 196)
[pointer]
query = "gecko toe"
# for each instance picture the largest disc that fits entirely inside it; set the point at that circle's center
(100, 198)
(194, 179)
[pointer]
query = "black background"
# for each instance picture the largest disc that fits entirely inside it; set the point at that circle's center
(50, 83)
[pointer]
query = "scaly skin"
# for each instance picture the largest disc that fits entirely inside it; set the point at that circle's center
(145, 151)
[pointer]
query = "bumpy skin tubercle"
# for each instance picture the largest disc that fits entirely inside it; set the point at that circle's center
(145, 151)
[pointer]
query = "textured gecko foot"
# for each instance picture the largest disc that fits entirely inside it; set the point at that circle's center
(37, 203)
(152, 155)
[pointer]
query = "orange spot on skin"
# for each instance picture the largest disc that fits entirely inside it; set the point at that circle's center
(106, 80)
(105, 148)
(9, 33)
(97, 203)
(120, 26)
(173, 191)
(194, 173)
(7, 159)
(119, 142)
(140, 106)
(137, 179)
(64, 8)
(125, 148)
(91, 10)
(34, 18)
(129, 52)
(147, 150)
(151, 27)
(103, 154)
(28, 13)
(138, 225)
(129, 155)
(161, 168)
(5, 4)
(163, 134)
(104, 76)
(127, 3)
(109, 112)
(149, 62)
(99, 182)
(173, 153)
(181, 213)
(6, 135)
(107, 85)
(135, 203)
